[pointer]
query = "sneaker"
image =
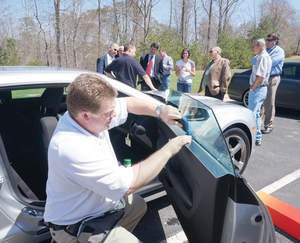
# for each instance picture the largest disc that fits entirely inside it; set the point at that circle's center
(258, 143)
(267, 130)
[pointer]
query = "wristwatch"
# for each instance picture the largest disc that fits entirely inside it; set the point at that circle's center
(158, 110)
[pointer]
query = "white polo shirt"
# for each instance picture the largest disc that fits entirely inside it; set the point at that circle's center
(84, 177)
(261, 67)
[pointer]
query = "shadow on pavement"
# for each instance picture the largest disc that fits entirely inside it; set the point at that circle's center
(150, 228)
(288, 113)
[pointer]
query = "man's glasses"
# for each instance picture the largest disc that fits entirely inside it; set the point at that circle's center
(269, 40)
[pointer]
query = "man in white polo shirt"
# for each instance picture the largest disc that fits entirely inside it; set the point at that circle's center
(85, 180)
(259, 78)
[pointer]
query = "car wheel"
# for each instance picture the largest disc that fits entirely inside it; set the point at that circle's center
(245, 98)
(239, 147)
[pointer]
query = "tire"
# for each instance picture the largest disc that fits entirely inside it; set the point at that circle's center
(245, 98)
(239, 147)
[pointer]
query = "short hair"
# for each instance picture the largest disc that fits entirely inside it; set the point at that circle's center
(260, 42)
(87, 92)
(187, 50)
(218, 49)
(128, 46)
(154, 45)
(114, 45)
(274, 36)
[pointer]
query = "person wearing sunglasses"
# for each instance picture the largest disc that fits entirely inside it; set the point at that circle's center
(277, 55)
(216, 76)
(105, 60)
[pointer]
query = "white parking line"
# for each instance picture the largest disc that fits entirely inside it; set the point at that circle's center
(178, 238)
(281, 182)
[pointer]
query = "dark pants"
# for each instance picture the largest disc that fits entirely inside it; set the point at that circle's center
(219, 96)
(155, 81)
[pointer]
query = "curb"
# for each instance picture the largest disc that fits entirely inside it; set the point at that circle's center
(284, 216)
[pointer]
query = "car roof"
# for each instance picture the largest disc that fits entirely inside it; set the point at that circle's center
(14, 75)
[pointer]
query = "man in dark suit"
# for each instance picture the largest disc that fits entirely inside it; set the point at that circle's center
(153, 66)
(105, 60)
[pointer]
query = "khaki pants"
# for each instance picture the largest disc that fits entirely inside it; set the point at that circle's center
(269, 104)
(134, 211)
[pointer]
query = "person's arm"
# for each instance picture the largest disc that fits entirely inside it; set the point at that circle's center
(148, 82)
(278, 57)
(170, 64)
(160, 67)
(146, 170)
(167, 113)
(193, 69)
(261, 73)
(258, 81)
(100, 65)
(178, 70)
(108, 71)
(226, 76)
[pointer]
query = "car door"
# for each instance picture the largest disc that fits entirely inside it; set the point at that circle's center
(289, 87)
(212, 202)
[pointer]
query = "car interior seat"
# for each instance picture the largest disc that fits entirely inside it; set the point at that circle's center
(22, 186)
(51, 101)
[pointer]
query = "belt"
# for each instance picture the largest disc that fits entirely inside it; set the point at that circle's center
(274, 75)
(72, 229)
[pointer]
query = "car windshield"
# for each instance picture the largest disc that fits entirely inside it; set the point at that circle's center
(200, 122)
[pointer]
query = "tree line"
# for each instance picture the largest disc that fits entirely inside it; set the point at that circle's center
(73, 33)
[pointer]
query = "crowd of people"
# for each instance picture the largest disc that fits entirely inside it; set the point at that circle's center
(154, 70)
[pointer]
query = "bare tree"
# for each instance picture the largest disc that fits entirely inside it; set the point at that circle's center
(182, 25)
(99, 25)
(195, 8)
(76, 17)
(36, 14)
(145, 8)
(171, 13)
(116, 29)
(209, 14)
(57, 30)
(225, 9)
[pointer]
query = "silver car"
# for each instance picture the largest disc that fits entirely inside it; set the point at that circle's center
(211, 199)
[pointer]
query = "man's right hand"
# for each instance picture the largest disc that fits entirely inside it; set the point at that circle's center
(175, 144)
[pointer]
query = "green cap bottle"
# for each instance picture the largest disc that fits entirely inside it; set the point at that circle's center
(127, 162)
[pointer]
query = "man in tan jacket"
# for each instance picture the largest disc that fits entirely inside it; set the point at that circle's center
(217, 74)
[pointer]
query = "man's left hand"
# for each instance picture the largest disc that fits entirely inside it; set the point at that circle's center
(170, 115)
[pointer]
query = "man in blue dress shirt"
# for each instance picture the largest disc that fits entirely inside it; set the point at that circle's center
(277, 55)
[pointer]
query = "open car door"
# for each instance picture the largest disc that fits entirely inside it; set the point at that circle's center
(212, 202)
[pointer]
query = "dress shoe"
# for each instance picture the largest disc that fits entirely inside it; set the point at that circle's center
(267, 130)
(258, 143)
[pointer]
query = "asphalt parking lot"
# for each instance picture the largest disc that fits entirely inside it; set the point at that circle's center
(277, 157)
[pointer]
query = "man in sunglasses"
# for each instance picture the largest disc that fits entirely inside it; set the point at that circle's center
(277, 55)
(107, 59)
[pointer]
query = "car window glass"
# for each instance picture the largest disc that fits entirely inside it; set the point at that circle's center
(289, 72)
(200, 122)
(27, 93)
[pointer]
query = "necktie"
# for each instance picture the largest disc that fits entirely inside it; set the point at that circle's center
(149, 66)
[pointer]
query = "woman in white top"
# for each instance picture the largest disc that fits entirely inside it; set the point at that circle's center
(185, 71)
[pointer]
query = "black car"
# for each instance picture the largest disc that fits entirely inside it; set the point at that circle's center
(213, 202)
(288, 93)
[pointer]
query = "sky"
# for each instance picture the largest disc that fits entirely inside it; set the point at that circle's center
(161, 10)
(246, 6)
